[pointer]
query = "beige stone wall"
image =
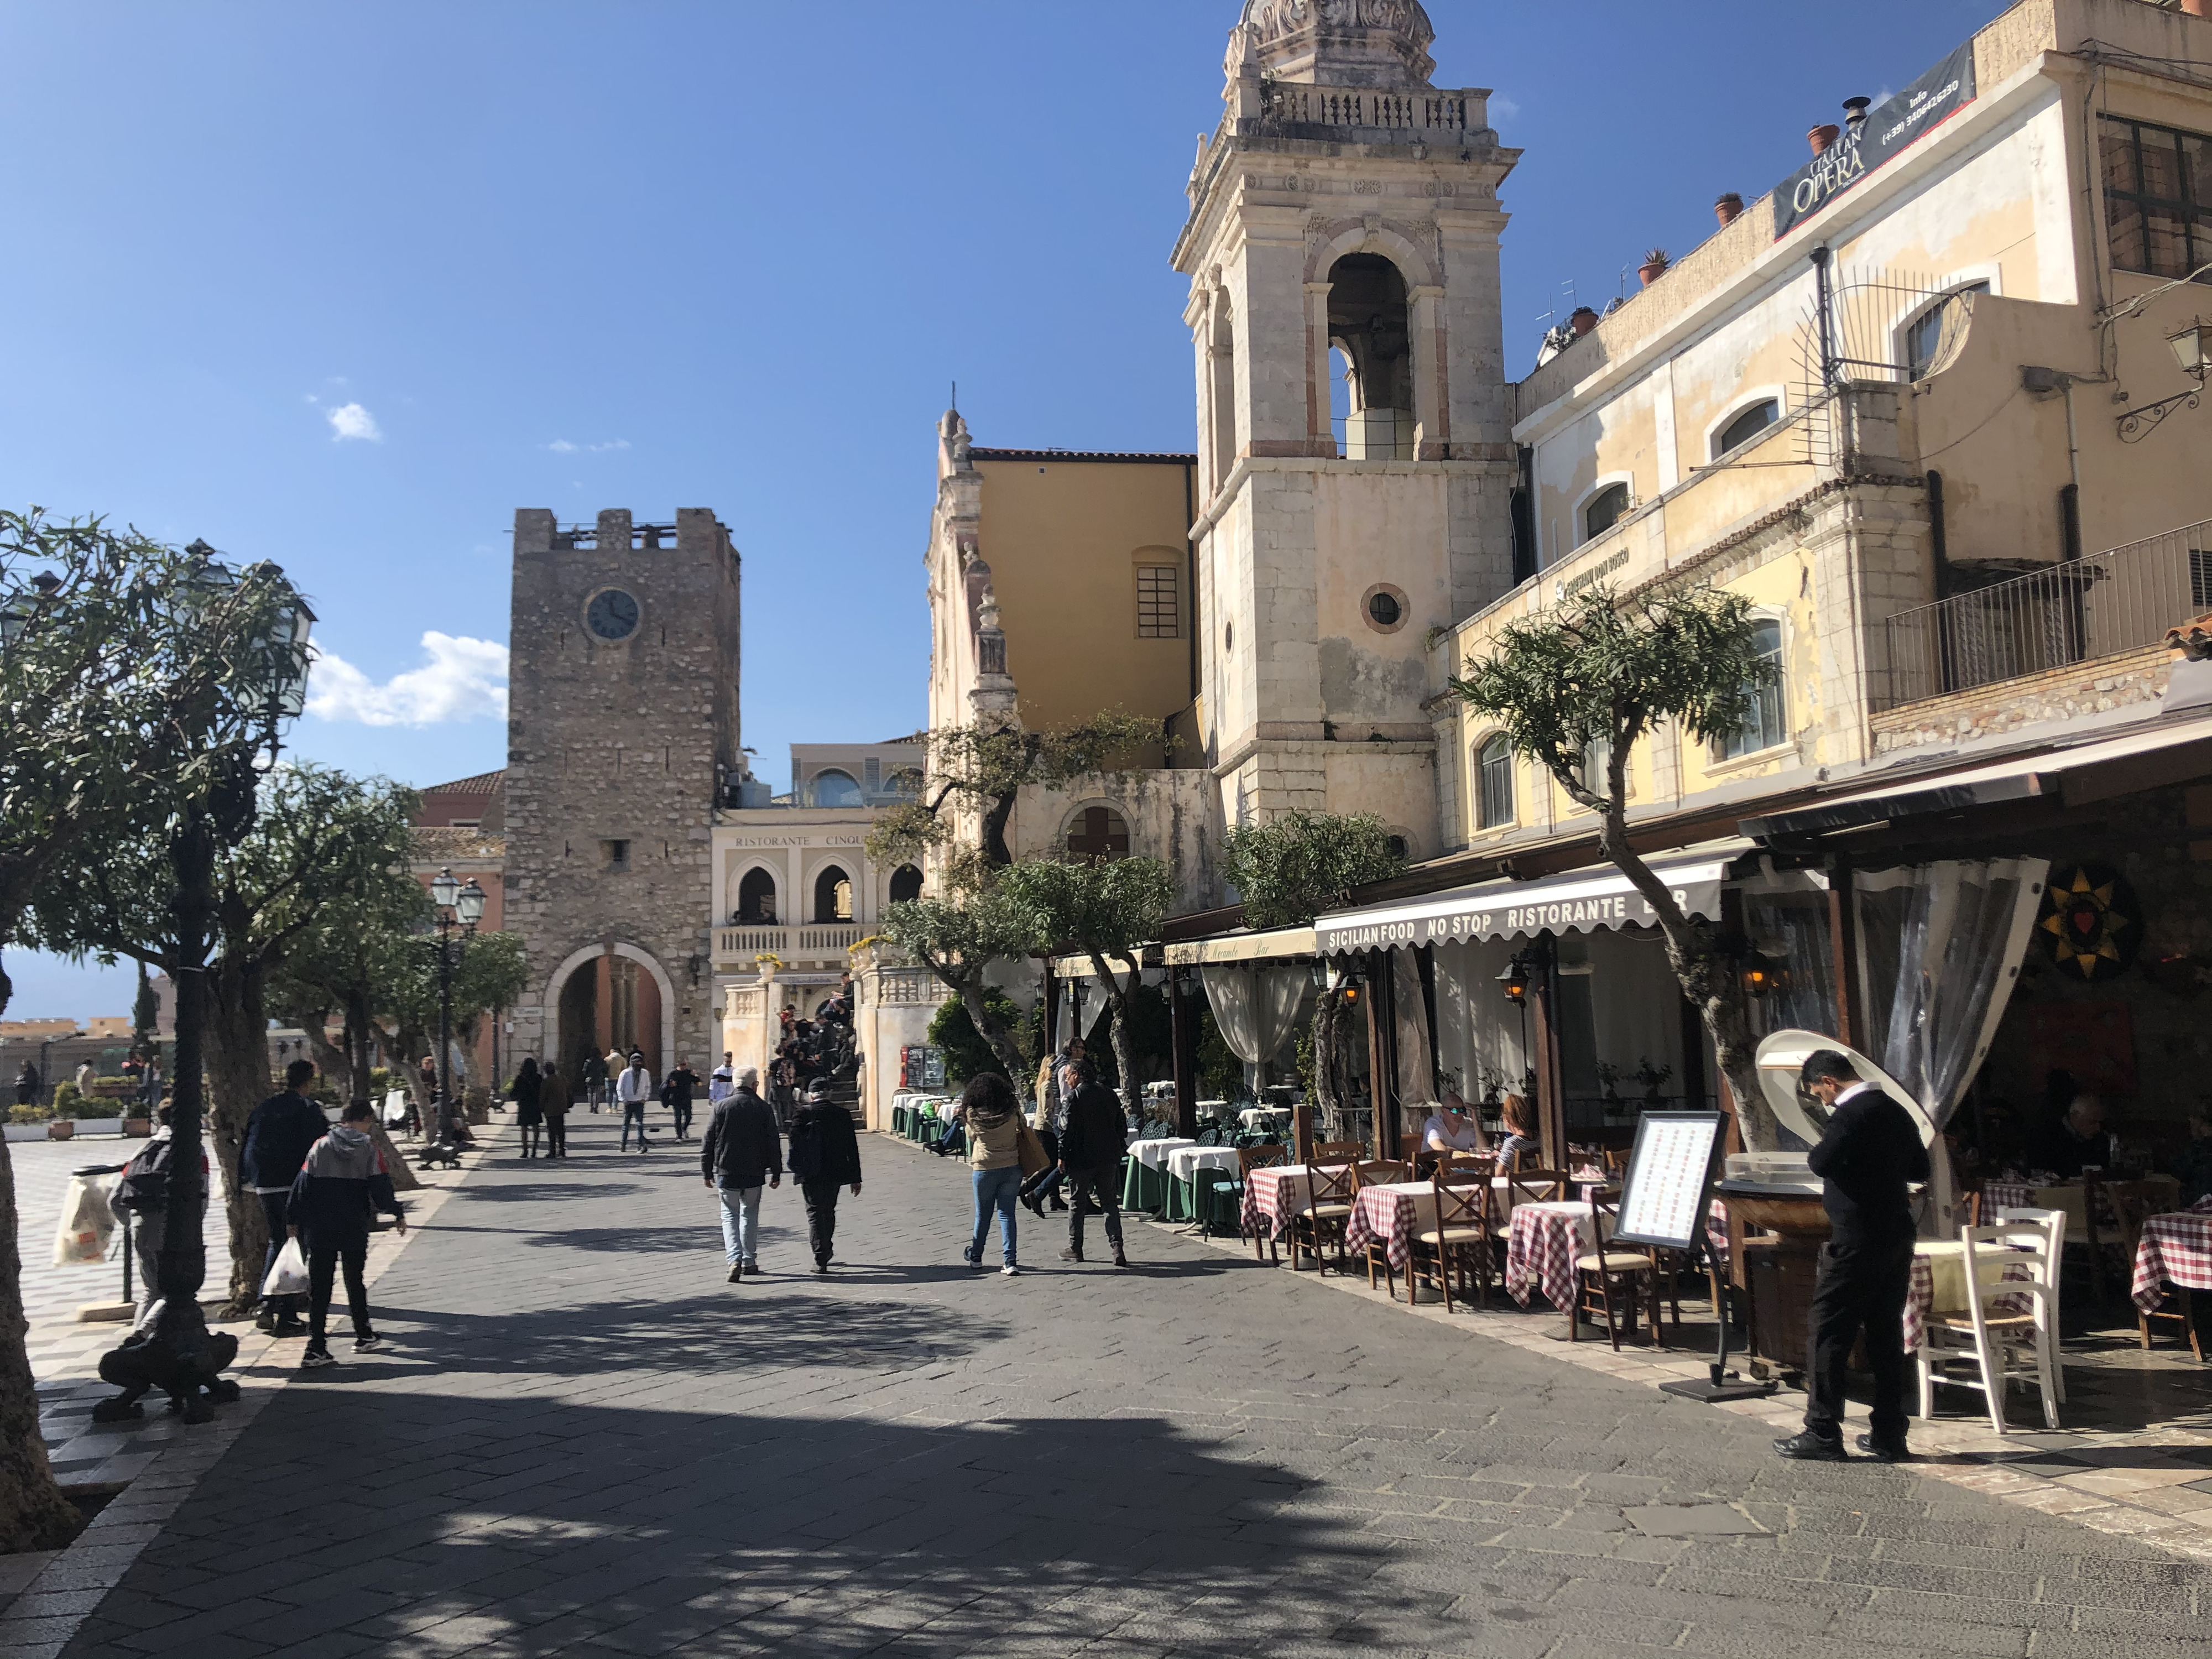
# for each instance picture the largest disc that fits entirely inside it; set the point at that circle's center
(2133, 679)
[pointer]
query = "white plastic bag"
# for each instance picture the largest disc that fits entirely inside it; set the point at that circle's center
(290, 1276)
(395, 1107)
(88, 1223)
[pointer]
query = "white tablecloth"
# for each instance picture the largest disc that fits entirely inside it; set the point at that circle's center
(1253, 1117)
(1153, 1154)
(1185, 1161)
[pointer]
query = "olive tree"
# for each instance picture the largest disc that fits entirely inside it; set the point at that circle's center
(960, 939)
(1287, 869)
(1575, 690)
(1106, 908)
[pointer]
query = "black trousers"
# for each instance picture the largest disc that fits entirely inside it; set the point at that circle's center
(274, 1207)
(1101, 1187)
(323, 1255)
(1863, 1286)
(530, 1140)
(556, 1135)
(681, 1110)
(821, 1218)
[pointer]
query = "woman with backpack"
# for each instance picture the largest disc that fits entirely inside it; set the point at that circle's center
(529, 1089)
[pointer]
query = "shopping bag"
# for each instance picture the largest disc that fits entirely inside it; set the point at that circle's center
(395, 1107)
(1034, 1159)
(88, 1223)
(290, 1276)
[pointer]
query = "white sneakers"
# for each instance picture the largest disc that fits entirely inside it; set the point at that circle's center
(1009, 1271)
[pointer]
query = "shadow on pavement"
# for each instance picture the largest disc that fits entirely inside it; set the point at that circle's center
(545, 1192)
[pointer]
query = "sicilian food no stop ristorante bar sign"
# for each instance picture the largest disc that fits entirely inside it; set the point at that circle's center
(1892, 127)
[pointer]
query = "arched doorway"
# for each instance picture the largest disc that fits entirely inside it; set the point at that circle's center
(833, 897)
(756, 898)
(610, 998)
(1370, 323)
(906, 884)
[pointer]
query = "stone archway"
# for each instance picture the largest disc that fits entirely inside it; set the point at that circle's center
(656, 1036)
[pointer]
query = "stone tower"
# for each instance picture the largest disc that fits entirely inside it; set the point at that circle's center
(621, 732)
(1343, 241)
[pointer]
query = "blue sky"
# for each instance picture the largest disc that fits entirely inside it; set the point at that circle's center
(343, 286)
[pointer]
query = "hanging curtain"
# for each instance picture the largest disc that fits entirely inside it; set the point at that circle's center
(1795, 928)
(1940, 946)
(1256, 1009)
(1416, 1082)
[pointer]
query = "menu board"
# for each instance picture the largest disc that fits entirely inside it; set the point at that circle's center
(1669, 1186)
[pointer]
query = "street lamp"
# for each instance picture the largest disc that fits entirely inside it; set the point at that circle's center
(2192, 351)
(461, 906)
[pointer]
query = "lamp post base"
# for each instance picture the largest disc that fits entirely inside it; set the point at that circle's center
(178, 1355)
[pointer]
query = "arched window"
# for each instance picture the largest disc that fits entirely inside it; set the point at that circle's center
(906, 884)
(1746, 426)
(1927, 335)
(1765, 723)
(1097, 833)
(905, 783)
(833, 897)
(756, 898)
(1370, 323)
(834, 789)
(1493, 767)
(1607, 508)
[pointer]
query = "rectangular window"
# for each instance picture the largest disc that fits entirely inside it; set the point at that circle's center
(1765, 725)
(2158, 197)
(1160, 611)
(2200, 579)
(615, 853)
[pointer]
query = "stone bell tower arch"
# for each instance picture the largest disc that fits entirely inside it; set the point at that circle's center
(1344, 229)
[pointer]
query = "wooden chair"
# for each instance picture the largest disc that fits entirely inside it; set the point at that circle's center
(1377, 1172)
(1328, 1187)
(1523, 1187)
(2115, 1211)
(1616, 1160)
(1992, 1342)
(1249, 1158)
(1460, 1187)
(1612, 1275)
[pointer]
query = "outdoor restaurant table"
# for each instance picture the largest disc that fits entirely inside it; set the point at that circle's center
(1395, 1212)
(2070, 1196)
(1144, 1186)
(1273, 1196)
(1187, 1168)
(1541, 1245)
(1263, 1117)
(2176, 1249)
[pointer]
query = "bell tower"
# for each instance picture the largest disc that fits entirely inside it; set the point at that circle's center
(1355, 426)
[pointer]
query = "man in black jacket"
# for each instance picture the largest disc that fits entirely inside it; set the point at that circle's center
(1871, 1152)
(741, 1150)
(1092, 1142)
(278, 1136)
(825, 1155)
(340, 1186)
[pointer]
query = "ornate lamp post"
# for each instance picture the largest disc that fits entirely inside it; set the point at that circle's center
(234, 722)
(465, 907)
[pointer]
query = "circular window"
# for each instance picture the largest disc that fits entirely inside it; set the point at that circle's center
(612, 614)
(1384, 607)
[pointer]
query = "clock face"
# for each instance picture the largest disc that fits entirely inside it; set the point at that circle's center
(612, 614)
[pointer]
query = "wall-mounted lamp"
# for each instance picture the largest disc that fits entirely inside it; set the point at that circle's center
(2192, 350)
(1514, 981)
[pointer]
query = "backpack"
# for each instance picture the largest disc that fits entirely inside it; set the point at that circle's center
(144, 1184)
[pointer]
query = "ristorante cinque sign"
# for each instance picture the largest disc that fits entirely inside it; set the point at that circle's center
(1891, 127)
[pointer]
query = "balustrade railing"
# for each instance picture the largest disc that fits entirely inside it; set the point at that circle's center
(1331, 107)
(2074, 611)
(814, 941)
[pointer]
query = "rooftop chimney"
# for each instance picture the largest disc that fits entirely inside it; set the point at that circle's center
(1855, 112)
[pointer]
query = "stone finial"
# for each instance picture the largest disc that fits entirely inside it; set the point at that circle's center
(1336, 43)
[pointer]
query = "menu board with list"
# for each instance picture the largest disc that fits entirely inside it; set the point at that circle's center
(1669, 1186)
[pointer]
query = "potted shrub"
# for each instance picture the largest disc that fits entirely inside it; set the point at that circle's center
(28, 1123)
(1655, 265)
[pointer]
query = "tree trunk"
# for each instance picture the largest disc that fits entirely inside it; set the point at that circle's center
(996, 853)
(239, 1080)
(34, 1514)
(334, 1063)
(1117, 1000)
(993, 1030)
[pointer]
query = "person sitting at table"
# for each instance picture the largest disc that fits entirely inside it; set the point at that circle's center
(1520, 1131)
(2195, 1161)
(2076, 1142)
(1452, 1128)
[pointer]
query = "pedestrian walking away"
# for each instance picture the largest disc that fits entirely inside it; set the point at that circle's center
(992, 1119)
(825, 1156)
(677, 1092)
(1058, 1080)
(529, 1106)
(553, 1100)
(26, 1086)
(143, 1193)
(280, 1133)
(635, 1089)
(739, 1153)
(1870, 1152)
(86, 1075)
(1092, 1146)
(342, 1187)
(614, 1062)
(594, 1078)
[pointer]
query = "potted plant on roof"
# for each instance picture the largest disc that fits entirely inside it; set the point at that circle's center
(1655, 262)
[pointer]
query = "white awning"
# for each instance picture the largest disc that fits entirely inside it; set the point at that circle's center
(2079, 776)
(1243, 947)
(1585, 900)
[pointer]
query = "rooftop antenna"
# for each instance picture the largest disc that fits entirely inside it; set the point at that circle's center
(956, 397)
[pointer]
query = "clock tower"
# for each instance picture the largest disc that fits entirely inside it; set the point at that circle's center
(622, 736)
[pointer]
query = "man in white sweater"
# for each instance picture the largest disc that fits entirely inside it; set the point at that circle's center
(633, 1088)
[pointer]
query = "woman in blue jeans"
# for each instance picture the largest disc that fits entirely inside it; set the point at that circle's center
(992, 1119)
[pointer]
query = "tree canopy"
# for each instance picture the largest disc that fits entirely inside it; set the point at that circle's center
(1289, 868)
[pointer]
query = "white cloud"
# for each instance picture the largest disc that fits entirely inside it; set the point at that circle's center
(464, 679)
(1503, 108)
(562, 447)
(352, 421)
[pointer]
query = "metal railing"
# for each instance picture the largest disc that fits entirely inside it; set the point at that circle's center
(2071, 612)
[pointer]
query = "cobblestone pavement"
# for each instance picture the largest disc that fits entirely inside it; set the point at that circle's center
(584, 1442)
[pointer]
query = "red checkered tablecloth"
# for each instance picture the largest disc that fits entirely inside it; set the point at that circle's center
(2005, 1195)
(2176, 1249)
(1394, 1213)
(1273, 1196)
(1542, 1248)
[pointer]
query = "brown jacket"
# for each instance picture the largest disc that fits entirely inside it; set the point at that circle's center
(997, 1146)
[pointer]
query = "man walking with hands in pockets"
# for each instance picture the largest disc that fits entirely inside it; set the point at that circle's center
(740, 1152)
(825, 1155)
